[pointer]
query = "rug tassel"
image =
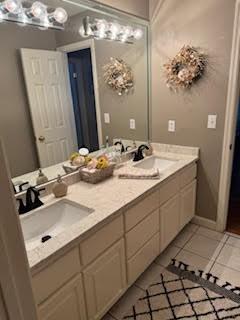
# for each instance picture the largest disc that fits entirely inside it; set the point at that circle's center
(174, 262)
(227, 284)
(236, 290)
(201, 273)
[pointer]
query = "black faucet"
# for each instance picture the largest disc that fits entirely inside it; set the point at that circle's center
(20, 187)
(139, 154)
(32, 200)
(121, 144)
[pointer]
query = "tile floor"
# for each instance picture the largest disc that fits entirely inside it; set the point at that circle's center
(211, 251)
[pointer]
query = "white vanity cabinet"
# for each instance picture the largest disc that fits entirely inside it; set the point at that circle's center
(85, 282)
(177, 204)
(67, 303)
(188, 203)
(142, 235)
(105, 281)
(170, 221)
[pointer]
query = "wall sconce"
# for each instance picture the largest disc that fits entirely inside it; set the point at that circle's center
(36, 13)
(113, 31)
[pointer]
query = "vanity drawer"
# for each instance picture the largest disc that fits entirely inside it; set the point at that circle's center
(55, 275)
(139, 211)
(169, 189)
(188, 175)
(101, 240)
(143, 259)
(140, 234)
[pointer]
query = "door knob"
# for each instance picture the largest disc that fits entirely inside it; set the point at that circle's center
(41, 138)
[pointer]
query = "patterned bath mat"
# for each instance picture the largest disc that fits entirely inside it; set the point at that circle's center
(182, 293)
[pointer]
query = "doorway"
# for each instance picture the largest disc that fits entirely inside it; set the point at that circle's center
(233, 220)
(82, 89)
(78, 47)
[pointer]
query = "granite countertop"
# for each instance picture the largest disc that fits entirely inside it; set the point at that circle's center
(106, 199)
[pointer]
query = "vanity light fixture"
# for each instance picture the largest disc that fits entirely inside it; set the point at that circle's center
(36, 13)
(102, 29)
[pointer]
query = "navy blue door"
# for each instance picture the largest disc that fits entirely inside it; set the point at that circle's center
(81, 79)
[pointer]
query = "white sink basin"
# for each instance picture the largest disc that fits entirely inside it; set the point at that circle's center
(155, 162)
(50, 221)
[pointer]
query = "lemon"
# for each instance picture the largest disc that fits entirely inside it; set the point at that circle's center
(102, 163)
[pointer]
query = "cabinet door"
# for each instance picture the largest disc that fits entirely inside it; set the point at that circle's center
(67, 303)
(188, 203)
(170, 221)
(105, 280)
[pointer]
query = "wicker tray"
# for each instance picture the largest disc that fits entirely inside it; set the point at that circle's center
(98, 175)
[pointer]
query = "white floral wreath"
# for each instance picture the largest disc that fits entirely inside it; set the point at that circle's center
(185, 68)
(118, 76)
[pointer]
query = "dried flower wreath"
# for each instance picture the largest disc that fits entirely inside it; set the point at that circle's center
(118, 76)
(185, 68)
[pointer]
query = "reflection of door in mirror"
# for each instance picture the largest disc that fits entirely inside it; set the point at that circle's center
(82, 87)
(50, 105)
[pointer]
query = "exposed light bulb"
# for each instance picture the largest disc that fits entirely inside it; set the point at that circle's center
(102, 25)
(39, 10)
(128, 31)
(60, 15)
(124, 38)
(114, 29)
(102, 28)
(13, 6)
(138, 34)
(100, 34)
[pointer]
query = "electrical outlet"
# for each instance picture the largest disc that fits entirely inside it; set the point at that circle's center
(132, 124)
(212, 121)
(171, 125)
(106, 117)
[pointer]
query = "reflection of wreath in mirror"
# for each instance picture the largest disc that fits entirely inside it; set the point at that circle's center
(118, 76)
(185, 68)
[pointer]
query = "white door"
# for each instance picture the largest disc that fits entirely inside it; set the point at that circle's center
(16, 295)
(47, 82)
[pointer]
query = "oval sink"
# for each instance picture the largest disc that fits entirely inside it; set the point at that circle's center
(49, 221)
(156, 163)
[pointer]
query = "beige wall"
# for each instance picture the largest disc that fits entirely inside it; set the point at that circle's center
(15, 122)
(121, 109)
(136, 7)
(207, 24)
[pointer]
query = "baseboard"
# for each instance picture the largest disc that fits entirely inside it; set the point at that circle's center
(204, 222)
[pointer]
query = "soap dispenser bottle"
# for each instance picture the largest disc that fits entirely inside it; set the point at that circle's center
(149, 151)
(59, 188)
(41, 177)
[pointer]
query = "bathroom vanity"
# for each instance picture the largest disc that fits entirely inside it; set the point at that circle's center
(99, 238)
(84, 270)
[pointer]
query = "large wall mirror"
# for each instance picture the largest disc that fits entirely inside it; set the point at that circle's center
(54, 96)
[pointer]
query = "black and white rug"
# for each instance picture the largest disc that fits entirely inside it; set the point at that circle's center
(182, 293)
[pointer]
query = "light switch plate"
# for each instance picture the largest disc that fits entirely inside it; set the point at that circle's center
(132, 124)
(212, 121)
(106, 117)
(171, 125)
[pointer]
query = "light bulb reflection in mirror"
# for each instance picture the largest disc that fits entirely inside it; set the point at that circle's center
(39, 10)
(60, 15)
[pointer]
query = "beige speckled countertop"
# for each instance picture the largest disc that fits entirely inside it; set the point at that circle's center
(107, 199)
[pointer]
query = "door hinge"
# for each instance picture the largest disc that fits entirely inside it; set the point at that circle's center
(230, 147)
